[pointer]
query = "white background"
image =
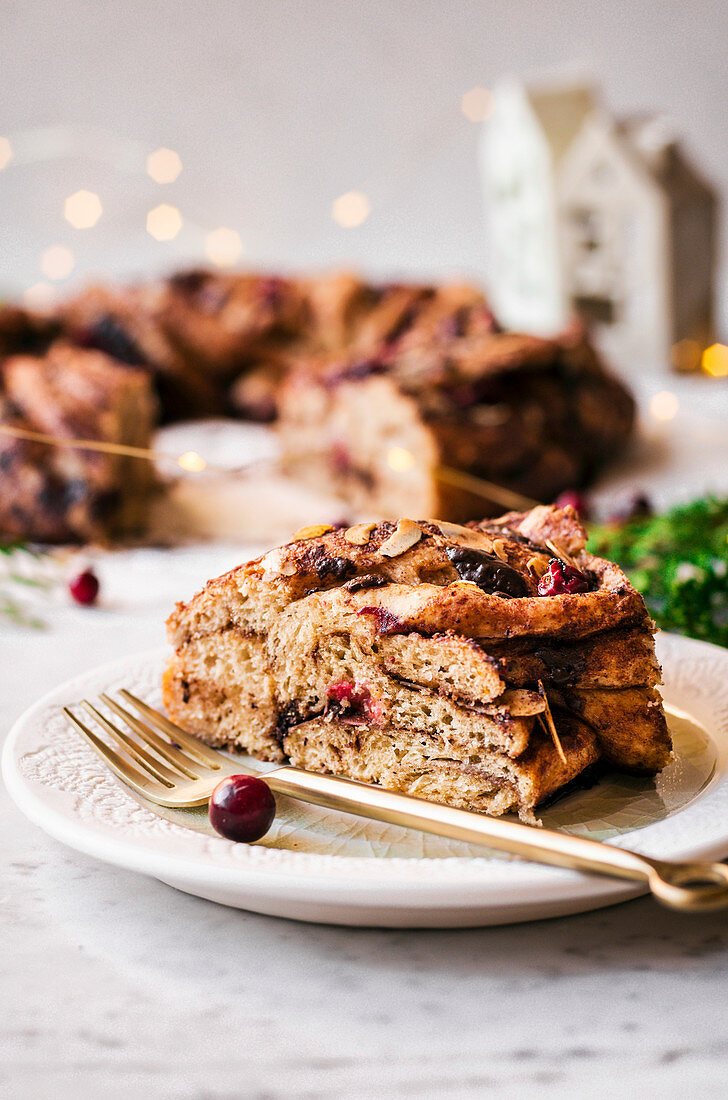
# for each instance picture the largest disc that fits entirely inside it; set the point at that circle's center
(277, 107)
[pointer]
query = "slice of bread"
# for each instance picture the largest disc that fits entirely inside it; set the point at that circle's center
(422, 656)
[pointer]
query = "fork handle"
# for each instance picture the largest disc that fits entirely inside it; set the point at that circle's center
(688, 886)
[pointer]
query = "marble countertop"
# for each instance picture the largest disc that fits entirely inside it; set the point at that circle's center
(116, 985)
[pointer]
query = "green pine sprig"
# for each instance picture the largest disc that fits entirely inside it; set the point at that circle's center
(679, 562)
(12, 609)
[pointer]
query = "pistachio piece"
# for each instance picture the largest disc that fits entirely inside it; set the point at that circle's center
(359, 535)
(404, 536)
(312, 532)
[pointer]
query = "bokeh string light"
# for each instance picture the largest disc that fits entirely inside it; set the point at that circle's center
(664, 405)
(477, 104)
(83, 209)
(351, 209)
(715, 361)
(164, 165)
(57, 262)
(223, 246)
(192, 462)
(164, 222)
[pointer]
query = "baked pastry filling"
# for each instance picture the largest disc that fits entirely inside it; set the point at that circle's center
(376, 391)
(484, 666)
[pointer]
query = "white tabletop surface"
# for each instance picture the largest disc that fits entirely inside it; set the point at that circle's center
(115, 985)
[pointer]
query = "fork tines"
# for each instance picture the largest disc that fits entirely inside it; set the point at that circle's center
(153, 755)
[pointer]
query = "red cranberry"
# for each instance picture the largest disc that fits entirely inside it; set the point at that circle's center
(342, 692)
(84, 588)
(571, 498)
(560, 579)
(353, 702)
(242, 808)
(387, 622)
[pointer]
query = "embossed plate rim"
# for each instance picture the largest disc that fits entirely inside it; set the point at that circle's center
(405, 892)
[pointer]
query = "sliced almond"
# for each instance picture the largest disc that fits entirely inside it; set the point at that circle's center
(312, 532)
(499, 548)
(463, 536)
(405, 535)
(537, 566)
(452, 530)
(522, 703)
(275, 562)
(559, 552)
(359, 535)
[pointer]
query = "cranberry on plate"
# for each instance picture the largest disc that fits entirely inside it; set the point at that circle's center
(84, 587)
(242, 808)
(560, 579)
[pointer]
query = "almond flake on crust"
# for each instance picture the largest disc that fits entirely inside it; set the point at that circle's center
(312, 532)
(499, 548)
(275, 562)
(405, 535)
(467, 537)
(359, 535)
(537, 566)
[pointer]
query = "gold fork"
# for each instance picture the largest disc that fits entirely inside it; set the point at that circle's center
(166, 765)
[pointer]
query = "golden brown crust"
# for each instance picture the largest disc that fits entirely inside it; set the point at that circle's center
(372, 655)
(425, 593)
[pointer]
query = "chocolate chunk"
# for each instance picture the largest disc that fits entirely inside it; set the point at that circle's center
(562, 665)
(487, 571)
(288, 716)
(327, 565)
(369, 580)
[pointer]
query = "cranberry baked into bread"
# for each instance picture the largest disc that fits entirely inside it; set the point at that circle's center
(482, 666)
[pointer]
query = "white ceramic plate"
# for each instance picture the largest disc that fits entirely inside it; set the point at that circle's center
(318, 865)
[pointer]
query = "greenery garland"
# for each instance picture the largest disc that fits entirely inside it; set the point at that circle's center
(679, 562)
